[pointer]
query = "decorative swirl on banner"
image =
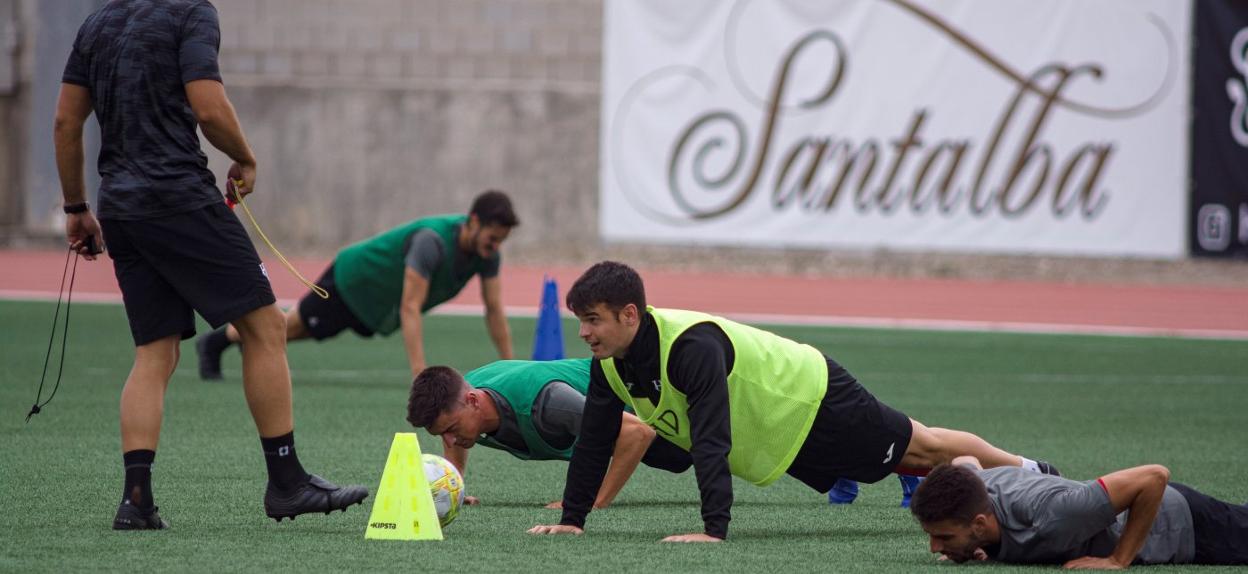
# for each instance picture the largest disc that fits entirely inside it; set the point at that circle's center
(690, 136)
(738, 79)
(1236, 90)
(619, 121)
(1005, 69)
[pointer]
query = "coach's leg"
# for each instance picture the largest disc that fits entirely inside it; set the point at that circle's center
(932, 446)
(266, 375)
(142, 408)
(295, 329)
(143, 397)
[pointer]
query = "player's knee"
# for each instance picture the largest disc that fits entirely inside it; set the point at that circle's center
(159, 356)
(263, 326)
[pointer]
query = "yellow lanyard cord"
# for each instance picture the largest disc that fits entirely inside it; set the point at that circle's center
(323, 294)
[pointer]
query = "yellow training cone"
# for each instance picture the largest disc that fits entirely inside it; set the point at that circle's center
(403, 509)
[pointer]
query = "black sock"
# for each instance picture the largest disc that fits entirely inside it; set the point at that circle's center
(216, 341)
(138, 490)
(279, 456)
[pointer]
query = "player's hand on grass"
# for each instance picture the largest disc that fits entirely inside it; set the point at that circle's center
(80, 226)
(1093, 563)
(697, 537)
(556, 529)
(978, 556)
(472, 500)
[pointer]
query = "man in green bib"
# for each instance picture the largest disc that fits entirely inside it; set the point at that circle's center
(532, 410)
(741, 400)
(388, 281)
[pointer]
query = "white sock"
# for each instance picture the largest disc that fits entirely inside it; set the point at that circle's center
(1029, 464)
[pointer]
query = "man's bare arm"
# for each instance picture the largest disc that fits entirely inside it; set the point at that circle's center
(73, 107)
(495, 317)
(1140, 490)
(415, 290)
(219, 122)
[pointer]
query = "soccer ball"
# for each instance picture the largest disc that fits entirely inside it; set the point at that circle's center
(447, 486)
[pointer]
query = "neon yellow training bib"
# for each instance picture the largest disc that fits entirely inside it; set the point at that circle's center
(774, 391)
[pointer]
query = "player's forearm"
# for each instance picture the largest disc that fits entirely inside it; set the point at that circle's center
(1150, 484)
(413, 338)
(629, 448)
(500, 331)
(67, 135)
(600, 426)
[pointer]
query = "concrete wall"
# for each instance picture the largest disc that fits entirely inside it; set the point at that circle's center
(368, 113)
(12, 119)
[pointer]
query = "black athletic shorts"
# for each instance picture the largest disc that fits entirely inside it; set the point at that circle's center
(1221, 528)
(665, 455)
(854, 436)
(172, 266)
(324, 318)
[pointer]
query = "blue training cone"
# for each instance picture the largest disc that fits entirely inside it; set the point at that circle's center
(843, 492)
(548, 340)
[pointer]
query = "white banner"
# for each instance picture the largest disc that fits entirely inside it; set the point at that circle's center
(1010, 126)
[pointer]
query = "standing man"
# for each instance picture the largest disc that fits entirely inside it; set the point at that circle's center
(148, 69)
(741, 400)
(389, 281)
(1132, 516)
(532, 410)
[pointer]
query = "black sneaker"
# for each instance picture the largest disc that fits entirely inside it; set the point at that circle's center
(315, 495)
(131, 517)
(1046, 468)
(209, 358)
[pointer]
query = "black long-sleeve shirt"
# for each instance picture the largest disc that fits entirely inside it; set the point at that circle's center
(697, 366)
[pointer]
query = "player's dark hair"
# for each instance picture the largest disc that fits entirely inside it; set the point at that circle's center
(434, 391)
(614, 284)
(493, 207)
(950, 492)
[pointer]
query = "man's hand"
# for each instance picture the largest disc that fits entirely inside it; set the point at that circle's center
(1093, 563)
(472, 500)
(241, 181)
(697, 537)
(80, 226)
(556, 529)
(978, 556)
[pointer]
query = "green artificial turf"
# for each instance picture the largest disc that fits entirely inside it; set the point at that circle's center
(1088, 404)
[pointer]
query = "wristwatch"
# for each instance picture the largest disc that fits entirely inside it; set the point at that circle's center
(80, 207)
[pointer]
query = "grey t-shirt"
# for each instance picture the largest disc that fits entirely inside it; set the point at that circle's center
(425, 252)
(1049, 520)
(556, 416)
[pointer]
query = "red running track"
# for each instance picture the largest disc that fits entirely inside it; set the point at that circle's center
(1190, 311)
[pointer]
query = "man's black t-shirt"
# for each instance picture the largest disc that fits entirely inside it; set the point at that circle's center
(135, 57)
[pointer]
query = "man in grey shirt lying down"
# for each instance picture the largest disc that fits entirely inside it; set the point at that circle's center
(1132, 516)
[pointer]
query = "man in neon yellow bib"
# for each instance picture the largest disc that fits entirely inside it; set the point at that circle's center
(741, 400)
(387, 282)
(533, 411)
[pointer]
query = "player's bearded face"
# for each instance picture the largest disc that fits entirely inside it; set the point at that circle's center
(957, 542)
(488, 239)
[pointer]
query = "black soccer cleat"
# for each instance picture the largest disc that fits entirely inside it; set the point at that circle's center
(315, 495)
(209, 358)
(131, 517)
(1047, 468)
